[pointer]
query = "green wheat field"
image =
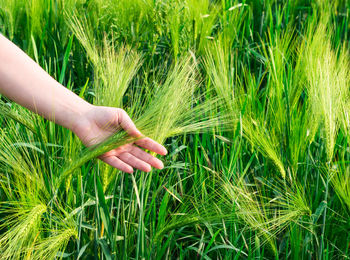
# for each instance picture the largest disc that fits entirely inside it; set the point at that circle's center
(251, 99)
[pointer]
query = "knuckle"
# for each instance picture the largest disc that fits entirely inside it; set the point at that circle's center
(121, 113)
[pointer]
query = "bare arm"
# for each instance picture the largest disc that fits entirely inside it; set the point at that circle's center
(26, 83)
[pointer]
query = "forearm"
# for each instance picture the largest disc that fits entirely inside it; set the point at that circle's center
(26, 83)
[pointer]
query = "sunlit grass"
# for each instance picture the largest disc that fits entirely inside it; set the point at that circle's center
(250, 98)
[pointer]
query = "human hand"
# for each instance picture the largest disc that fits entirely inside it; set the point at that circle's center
(98, 123)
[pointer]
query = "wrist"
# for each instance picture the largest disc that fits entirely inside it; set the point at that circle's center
(76, 118)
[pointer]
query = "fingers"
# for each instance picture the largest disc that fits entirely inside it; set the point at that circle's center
(127, 124)
(135, 162)
(146, 157)
(149, 144)
(117, 163)
(129, 156)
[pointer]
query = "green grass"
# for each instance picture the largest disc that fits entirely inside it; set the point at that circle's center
(251, 99)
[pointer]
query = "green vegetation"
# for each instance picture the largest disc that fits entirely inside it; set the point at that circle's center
(251, 98)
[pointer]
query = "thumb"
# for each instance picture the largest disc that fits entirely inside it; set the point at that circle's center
(127, 124)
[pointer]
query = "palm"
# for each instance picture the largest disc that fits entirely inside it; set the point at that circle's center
(101, 122)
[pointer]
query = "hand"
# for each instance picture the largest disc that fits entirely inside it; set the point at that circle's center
(98, 123)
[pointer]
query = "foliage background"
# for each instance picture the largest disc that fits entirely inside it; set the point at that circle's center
(250, 98)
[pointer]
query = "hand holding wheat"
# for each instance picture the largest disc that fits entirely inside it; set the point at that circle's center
(99, 123)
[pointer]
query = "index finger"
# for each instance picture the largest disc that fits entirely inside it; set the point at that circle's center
(149, 144)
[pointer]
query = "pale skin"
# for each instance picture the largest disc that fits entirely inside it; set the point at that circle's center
(25, 82)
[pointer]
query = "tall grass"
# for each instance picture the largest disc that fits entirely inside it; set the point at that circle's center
(250, 98)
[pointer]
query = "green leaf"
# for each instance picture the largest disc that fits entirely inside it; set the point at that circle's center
(82, 250)
(65, 60)
(103, 208)
(105, 249)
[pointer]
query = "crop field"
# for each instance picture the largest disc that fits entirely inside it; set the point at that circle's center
(250, 98)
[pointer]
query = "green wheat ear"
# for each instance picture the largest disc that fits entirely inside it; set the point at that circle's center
(269, 216)
(54, 245)
(114, 66)
(25, 222)
(22, 117)
(29, 225)
(220, 66)
(230, 89)
(340, 180)
(236, 200)
(176, 108)
(26, 210)
(327, 73)
(114, 72)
